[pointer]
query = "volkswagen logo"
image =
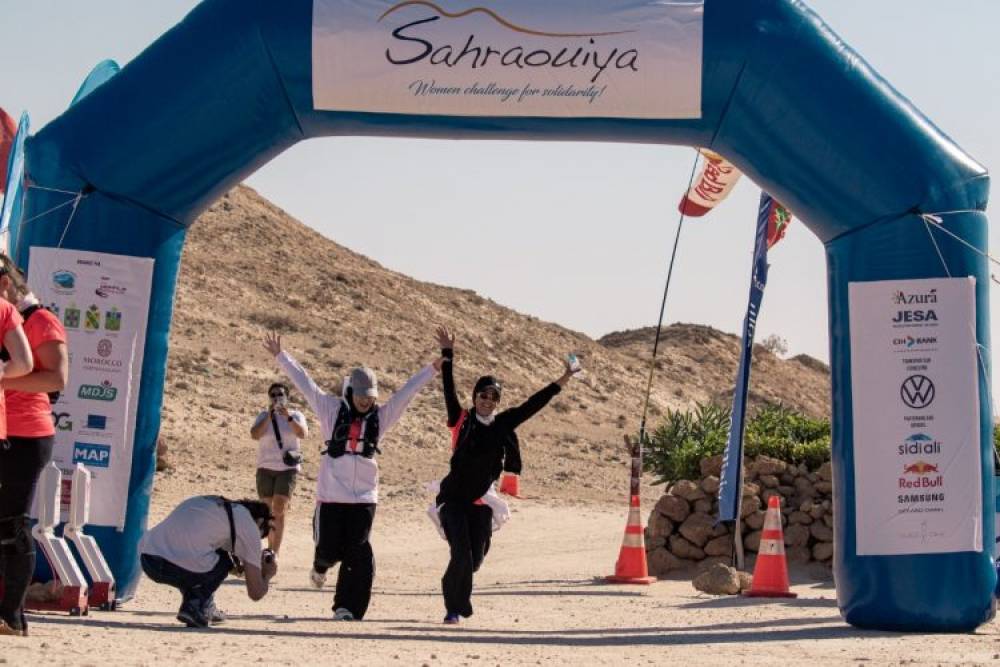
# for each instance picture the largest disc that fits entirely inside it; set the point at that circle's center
(917, 391)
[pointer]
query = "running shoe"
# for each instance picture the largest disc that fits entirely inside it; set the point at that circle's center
(341, 614)
(6, 630)
(451, 619)
(317, 579)
(214, 615)
(191, 615)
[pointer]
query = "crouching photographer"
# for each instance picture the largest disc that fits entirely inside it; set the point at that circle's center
(197, 545)
(278, 431)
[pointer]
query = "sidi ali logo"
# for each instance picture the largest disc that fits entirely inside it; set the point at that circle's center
(919, 443)
(533, 47)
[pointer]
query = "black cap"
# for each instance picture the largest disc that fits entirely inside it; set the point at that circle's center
(486, 382)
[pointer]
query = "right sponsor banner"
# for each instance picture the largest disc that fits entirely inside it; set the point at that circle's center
(915, 401)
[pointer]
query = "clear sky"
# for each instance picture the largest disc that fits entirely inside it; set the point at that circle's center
(589, 248)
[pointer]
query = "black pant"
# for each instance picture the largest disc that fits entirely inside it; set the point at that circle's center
(21, 462)
(197, 588)
(468, 528)
(341, 532)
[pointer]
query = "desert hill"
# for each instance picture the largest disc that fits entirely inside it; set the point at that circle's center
(702, 362)
(248, 266)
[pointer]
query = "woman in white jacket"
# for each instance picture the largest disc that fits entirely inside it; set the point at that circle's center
(347, 486)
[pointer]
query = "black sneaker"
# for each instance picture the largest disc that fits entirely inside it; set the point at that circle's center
(191, 615)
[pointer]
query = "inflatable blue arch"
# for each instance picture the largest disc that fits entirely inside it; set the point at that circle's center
(781, 96)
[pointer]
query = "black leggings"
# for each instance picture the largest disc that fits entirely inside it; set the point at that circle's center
(21, 462)
(468, 528)
(341, 532)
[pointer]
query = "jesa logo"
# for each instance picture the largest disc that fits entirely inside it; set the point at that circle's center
(908, 316)
(98, 392)
(533, 47)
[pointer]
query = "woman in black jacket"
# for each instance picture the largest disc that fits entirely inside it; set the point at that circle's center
(482, 439)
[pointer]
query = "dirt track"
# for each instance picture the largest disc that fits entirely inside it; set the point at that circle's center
(536, 602)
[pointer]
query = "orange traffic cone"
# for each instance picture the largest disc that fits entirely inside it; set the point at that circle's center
(770, 574)
(511, 484)
(631, 567)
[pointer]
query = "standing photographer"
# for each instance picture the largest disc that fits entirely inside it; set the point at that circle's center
(278, 431)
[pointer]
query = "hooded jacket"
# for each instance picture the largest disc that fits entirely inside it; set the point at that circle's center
(350, 478)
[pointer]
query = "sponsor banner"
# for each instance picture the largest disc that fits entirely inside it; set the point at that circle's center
(103, 301)
(559, 58)
(730, 486)
(915, 401)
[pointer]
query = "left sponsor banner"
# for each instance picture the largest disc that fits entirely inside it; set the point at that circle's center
(915, 406)
(559, 58)
(103, 302)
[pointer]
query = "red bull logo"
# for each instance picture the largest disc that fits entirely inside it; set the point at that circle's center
(920, 468)
(921, 482)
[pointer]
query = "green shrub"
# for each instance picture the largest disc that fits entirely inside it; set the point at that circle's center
(676, 447)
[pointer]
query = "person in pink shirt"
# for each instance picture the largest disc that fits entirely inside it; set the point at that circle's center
(20, 465)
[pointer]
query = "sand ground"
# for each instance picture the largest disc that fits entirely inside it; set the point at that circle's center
(537, 601)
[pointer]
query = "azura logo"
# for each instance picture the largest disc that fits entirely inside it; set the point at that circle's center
(572, 50)
(64, 281)
(98, 392)
(901, 298)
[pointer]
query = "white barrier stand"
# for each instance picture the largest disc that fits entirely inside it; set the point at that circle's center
(102, 587)
(56, 550)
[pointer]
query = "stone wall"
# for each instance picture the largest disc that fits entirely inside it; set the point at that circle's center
(681, 531)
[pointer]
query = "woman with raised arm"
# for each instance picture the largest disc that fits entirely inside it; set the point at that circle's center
(347, 485)
(482, 438)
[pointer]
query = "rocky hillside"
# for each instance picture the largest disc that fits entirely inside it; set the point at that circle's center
(248, 267)
(700, 364)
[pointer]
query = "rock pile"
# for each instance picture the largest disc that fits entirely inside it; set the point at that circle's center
(681, 530)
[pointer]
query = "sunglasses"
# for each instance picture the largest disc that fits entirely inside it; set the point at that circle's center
(279, 394)
(489, 396)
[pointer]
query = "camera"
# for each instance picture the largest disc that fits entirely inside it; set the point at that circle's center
(292, 457)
